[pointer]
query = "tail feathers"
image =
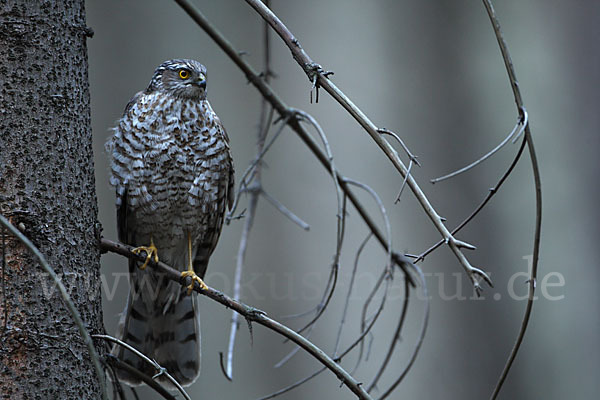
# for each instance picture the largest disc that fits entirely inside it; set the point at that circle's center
(166, 330)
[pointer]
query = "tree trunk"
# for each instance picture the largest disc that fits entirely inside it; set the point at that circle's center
(47, 191)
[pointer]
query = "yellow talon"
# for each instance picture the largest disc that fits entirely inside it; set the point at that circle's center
(151, 252)
(195, 278)
(190, 270)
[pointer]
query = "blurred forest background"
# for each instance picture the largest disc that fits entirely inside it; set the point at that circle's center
(432, 72)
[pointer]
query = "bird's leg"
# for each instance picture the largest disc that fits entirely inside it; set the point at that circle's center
(150, 251)
(190, 270)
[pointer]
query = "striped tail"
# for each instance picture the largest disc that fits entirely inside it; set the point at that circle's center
(164, 324)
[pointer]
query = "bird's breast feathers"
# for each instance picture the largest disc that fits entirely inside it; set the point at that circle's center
(170, 152)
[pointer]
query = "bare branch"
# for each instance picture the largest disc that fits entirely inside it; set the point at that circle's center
(386, 220)
(522, 123)
(359, 340)
(410, 164)
(410, 155)
(253, 169)
(480, 207)
(350, 287)
(341, 217)
(117, 363)
(538, 193)
(419, 340)
(250, 313)
(293, 385)
(66, 298)
(160, 370)
(285, 211)
(315, 71)
(363, 321)
(263, 130)
(395, 339)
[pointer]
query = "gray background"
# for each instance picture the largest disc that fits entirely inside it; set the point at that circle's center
(432, 72)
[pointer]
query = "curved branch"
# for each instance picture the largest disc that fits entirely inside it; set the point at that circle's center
(66, 298)
(160, 370)
(489, 196)
(424, 324)
(521, 122)
(395, 339)
(250, 314)
(538, 194)
(158, 388)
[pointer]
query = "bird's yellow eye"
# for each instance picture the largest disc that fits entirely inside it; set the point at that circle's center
(184, 73)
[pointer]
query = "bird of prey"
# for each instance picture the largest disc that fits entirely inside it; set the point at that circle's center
(171, 165)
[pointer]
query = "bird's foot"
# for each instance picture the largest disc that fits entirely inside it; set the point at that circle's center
(195, 278)
(151, 252)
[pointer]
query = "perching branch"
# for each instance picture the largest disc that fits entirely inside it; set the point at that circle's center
(538, 193)
(66, 298)
(317, 75)
(249, 313)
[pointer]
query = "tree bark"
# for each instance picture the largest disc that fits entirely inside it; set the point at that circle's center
(47, 191)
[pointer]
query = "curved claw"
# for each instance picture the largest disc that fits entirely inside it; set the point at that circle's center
(195, 278)
(151, 253)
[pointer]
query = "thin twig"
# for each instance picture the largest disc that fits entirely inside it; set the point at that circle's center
(341, 217)
(419, 340)
(159, 369)
(293, 385)
(365, 308)
(142, 376)
(522, 123)
(286, 211)
(357, 341)
(350, 287)
(238, 276)
(117, 388)
(114, 362)
(386, 220)
(483, 203)
(251, 171)
(249, 313)
(410, 164)
(67, 300)
(326, 298)
(410, 155)
(308, 331)
(538, 194)
(395, 339)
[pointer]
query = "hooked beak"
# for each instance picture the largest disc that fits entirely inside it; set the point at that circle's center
(201, 83)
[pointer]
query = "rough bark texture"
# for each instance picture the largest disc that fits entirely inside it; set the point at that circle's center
(47, 189)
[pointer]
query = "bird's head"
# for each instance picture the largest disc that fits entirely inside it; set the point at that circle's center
(181, 78)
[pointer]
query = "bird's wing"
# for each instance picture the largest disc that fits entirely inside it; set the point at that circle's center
(230, 195)
(226, 195)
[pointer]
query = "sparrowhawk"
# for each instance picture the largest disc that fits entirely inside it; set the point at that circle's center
(172, 169)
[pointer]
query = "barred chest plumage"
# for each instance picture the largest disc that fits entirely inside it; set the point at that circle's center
(172, 157)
